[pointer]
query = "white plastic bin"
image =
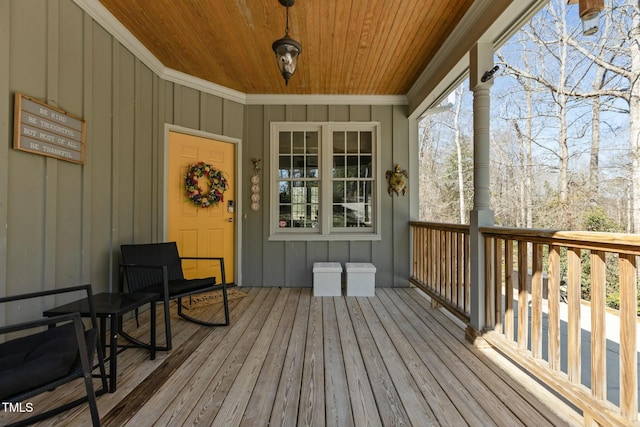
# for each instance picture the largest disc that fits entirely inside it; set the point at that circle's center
(327, 279)
(361, 279)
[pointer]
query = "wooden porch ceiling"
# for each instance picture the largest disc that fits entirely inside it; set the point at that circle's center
(349, 47)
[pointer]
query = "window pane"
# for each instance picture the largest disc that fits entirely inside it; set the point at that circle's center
(298, 142)
(338, 191)
(284, 191)
(338, 167)
(304, 208)
(284, 169)
(298, 167)
(366, 143)
(312, 167)
(352, 166)
(285, 216)
(312, 143)
(285, 143)
(366, 170)
(338, 143)
(352, 142)
(352, 192)
(339, 219)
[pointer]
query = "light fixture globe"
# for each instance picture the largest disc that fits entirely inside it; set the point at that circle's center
(287, 51)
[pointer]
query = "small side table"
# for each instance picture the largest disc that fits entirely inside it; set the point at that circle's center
(113, 306)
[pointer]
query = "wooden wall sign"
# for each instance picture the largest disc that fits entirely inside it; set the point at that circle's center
(49, 131)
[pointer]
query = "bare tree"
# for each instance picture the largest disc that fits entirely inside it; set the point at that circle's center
(458, 140)
(622, 59)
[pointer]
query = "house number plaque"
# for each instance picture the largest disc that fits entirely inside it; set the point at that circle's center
(43, 129)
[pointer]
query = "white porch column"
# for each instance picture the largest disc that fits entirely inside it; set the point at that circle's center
(481, 61)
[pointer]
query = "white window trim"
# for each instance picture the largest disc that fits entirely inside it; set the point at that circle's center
(324, 232)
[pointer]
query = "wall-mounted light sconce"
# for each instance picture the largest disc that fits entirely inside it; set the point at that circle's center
(255, 185)
(488, 75)
(287, 49)
(589, 12)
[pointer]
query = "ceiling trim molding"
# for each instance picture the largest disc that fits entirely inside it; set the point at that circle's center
(206, 86)
(326, 100)
(103, 17)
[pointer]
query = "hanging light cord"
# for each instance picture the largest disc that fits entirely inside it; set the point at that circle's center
(286, 30)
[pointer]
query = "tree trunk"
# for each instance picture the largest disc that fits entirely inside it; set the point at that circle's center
(528, 137)
(458, 137)
(634, 116)
(594, 181)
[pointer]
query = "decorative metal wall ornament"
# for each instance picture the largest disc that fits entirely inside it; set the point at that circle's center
(217, 185)
(255, 185)
(398, 180)
(287, 49)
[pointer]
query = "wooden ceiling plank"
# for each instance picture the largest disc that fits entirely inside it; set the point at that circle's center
(356, 46)
(349, 47)
(366, 46)
(418, 40)
(436, 38)
(388, 70)
(340, 63)
(310, 17)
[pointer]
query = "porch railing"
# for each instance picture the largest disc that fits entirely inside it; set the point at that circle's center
(441, 264)
(534, 309)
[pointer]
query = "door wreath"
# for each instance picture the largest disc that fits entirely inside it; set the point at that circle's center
(217, 185)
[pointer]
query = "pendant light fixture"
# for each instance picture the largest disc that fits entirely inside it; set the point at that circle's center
(287, 49)
(589, 11)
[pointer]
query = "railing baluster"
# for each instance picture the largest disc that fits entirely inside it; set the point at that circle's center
(508, 295)
(573, 323)
(454, 269)
(536, 302)
(488, 287)
(460, 272)
(497, 284)
(467, 274)
(523, 297)
(415, 260)
(437, 284)
(447, 266)
(554, 307)
(422, 243)
(628, 322)
(598, 327)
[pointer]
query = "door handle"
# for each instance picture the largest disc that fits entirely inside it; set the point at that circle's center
(229, 219)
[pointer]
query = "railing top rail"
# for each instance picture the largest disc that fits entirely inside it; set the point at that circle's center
(613, 242)
(441, 226)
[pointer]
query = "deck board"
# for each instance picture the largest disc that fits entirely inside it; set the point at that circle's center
(289, 359)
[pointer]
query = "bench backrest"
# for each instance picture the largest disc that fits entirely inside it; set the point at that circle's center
(150, 254)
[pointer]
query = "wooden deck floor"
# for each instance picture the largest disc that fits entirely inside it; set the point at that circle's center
(291, 359)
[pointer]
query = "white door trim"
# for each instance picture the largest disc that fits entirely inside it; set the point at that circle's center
(237, 274)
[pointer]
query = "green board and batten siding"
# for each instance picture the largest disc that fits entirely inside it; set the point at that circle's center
(277, 263)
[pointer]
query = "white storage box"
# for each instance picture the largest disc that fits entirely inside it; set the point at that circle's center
(361, 279)
(327, 279)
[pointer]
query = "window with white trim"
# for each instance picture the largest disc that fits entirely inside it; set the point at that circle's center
(324, 181)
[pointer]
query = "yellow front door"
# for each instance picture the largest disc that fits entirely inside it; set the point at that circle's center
(201, 231)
